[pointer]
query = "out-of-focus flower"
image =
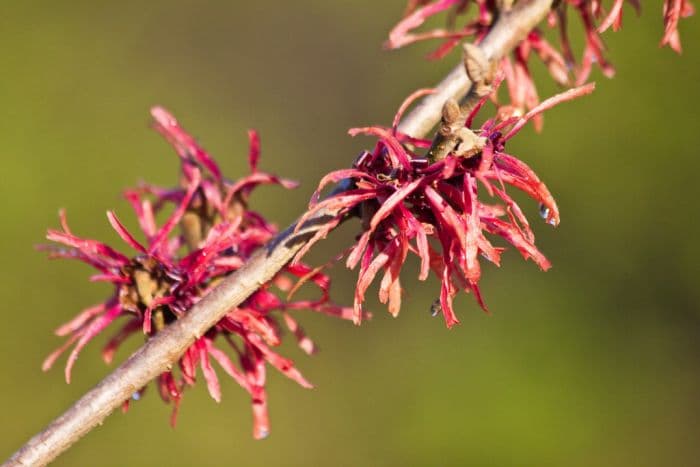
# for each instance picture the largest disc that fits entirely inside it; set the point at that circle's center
(674, 11)
(409, 204)
(209, 234)
(562, 64)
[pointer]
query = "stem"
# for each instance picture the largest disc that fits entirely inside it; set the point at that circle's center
(511, 27)
(169, 344)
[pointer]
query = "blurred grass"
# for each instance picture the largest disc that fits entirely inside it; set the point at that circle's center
(592, 363)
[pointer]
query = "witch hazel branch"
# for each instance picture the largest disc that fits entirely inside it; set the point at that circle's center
(212, 289)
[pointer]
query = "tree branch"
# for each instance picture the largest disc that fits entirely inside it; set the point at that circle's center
(511, 27)
(168, 345)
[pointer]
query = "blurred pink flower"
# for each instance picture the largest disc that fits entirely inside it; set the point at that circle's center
(562, 64)
(674, 11)
(172, 271)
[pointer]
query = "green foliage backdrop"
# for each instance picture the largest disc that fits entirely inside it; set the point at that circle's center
(596, 362)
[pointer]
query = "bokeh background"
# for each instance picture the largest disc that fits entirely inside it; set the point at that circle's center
(596, 362)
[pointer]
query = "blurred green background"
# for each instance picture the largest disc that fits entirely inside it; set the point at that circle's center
(596, 362)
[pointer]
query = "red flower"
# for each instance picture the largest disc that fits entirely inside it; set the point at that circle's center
(561, 64)
(674, 10)
(172, 271)
(404, 200)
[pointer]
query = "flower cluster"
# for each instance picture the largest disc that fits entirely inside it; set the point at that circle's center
(562, 64)
(433, 208)
(208, 233)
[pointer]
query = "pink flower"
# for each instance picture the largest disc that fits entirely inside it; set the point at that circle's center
(674, 10)
(562, 64)
(405, 200)
(171, 271)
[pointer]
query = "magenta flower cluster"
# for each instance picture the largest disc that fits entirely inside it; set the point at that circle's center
(562, 62)
(209, 233)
